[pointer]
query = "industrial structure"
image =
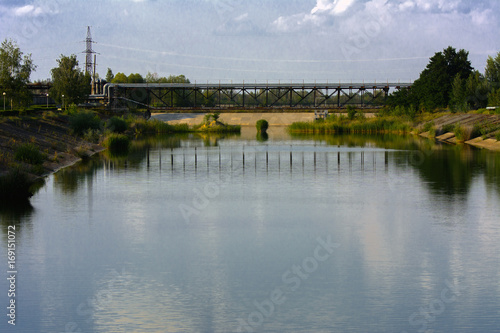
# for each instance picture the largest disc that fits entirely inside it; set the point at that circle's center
(164, 96)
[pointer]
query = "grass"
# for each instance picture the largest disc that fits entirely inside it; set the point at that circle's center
(117, 143)
(116, 125)
(462, 133)
(340, 124)
(29, 153)
(80, 122)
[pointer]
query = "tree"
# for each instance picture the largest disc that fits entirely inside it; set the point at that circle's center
(135, 78)
(15, 72)
(458, 100)
(120, 78)
(476, 91)
(492, 71)
(69, 80)
(109, 75)
(433, 88)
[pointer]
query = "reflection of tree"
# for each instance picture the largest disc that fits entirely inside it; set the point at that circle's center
(17, 214)
(447, 172)
(446, 169)
(385, 141)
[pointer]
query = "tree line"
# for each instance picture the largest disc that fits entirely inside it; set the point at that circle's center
(448, 82)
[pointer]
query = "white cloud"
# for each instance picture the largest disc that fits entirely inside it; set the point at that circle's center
(334, 7)
(321, 13)
(31, 11)
(481, 18)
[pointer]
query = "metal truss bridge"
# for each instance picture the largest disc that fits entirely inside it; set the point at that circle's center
(164, 96)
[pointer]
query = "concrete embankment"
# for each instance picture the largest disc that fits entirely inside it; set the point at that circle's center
(243, 119)
(467, 120)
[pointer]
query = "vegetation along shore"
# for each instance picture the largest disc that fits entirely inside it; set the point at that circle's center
(450, 102)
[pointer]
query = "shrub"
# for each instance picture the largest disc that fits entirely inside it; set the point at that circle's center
(476, 131)
(117, 143)
(497, 136)
(262, 125)
(92, 135)
(15, 185)
(448, 128)
(428, 126)
(116, 125)
(82, 121)
(211, 117)
(462, 133)
(29, 153)
(351, 112)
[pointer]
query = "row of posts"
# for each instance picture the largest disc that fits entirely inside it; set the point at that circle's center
(291, 160)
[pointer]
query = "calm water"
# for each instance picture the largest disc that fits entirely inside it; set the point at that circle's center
(292, 234)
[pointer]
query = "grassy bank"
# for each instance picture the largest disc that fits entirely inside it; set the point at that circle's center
(338, 124)
(34, 145)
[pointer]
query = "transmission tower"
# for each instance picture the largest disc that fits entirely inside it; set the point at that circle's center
(89, 51)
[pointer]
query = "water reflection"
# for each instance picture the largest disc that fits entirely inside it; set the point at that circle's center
(445, 170)
(112, 237)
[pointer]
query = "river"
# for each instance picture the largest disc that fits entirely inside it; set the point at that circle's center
(261, 234)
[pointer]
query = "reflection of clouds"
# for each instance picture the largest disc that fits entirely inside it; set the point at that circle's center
(143, 305)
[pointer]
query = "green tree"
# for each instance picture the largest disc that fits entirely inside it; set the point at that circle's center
(458, 99)
(109, 75)
(476, 90)
(69, 80)
(494, 98)
(135, 78)
(120, 78)
(433, 88)
(15, 72)
(492, 71)
(492, 75)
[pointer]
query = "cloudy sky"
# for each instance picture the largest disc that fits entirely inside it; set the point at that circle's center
(255, 40)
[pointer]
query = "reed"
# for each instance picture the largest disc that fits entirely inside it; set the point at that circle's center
(342, 125)
(117, 143)
(29, 153)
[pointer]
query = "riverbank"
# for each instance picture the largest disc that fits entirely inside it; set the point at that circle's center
(47, 136)
(478, 130)
(442, 125)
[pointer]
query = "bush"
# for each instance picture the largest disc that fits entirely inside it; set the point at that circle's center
(117, 143)
(428, 126)
(351, 112)
(448, 128)
(116, 125)
(211, 117)
(15, 185)
(462, 133)
(29, 153)
(498, 136)
(262, 125)
(82, 121)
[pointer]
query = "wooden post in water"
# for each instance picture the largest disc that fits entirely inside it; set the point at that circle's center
(172, 158)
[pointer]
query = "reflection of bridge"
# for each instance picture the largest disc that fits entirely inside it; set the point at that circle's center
(266, 159)
(244, 95)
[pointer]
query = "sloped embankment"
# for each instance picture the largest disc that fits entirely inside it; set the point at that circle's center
(49, 137)
(478, 130)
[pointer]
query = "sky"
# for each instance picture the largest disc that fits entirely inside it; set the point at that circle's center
(255, 40)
